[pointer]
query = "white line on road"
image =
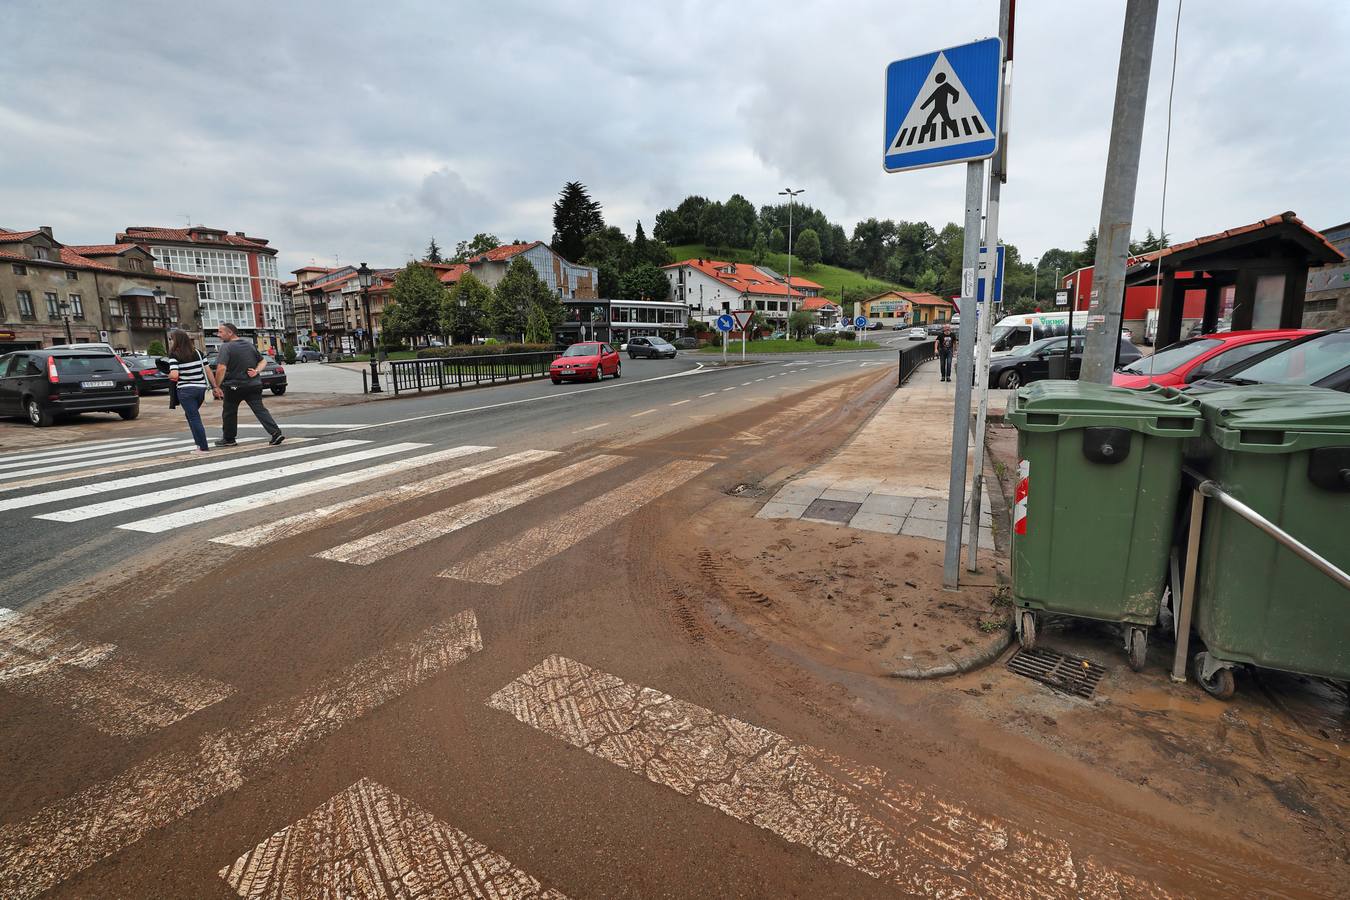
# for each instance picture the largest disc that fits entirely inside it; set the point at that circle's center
(746, 383)
(827, 365)
(66, 464)
(106, 487)
(248, 479)
(680, 402)
(290, 426)
(375, 547)
(645, 412)
(338, 512)
(108, 816)
(854, 814)
(119, 466)
(508, 559)
(709, 394)
(369, 836)
(591, 427)
(728, 389)
(20, 460)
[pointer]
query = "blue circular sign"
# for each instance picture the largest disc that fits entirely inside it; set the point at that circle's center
(861, 321)
(725, 323)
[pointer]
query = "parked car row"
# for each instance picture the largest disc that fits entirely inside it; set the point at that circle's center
(43, 385)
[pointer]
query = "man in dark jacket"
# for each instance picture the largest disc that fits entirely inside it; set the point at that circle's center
(239, 367)
(945, 348)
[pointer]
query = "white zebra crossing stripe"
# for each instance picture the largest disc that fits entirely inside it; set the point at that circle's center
(248, 479)
(118, 484)
(65, 464)
(338, 512)
(854, 814)
(371, 843)
(23, 460)
(386, 543)
(120, 465)
(85, 447)
(508, 559)
(108, 816)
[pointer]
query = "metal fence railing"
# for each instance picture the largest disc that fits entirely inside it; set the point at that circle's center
(911, 357)
(454, 372)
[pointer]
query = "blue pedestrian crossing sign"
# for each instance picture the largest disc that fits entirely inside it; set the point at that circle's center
(860, 322)
(943, 107)
(725, 323)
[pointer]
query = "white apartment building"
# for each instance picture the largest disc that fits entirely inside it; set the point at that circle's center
(710, 288)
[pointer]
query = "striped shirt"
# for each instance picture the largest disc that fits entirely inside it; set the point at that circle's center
(190, 373)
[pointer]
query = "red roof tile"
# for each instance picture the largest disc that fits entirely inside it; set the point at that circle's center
(150, 234)
(1281, 219)
(504, 252)
(746, 279)
(102, 249)
(817, 302)
(7, 236)
(803, 283)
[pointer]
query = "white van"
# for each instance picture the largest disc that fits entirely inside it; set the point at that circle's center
(1012, 332)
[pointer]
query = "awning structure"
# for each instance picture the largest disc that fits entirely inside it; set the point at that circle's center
(138, 292)
(1266, 263)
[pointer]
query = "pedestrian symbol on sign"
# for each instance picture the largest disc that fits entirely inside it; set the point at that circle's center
(951, 108)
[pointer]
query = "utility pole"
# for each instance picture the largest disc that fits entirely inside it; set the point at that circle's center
(791, 194)
(997, 174)
(1122, 175)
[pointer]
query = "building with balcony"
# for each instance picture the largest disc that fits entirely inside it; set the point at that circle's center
(114, 293)
(710, 288)
(237, 277)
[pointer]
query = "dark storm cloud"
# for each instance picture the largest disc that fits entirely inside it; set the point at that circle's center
(360, 131)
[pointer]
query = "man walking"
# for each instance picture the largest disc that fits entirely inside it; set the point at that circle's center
(239, 367)
(945, 348)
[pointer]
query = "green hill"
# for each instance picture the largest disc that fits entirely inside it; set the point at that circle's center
(832, 278)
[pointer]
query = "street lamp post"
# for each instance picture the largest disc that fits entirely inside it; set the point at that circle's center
(791, 195)
(163, 314)
(1035, 276)
(364, 277)
(65, 317)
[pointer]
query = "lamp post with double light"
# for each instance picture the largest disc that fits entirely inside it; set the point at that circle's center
(365, 277)
(791, 195)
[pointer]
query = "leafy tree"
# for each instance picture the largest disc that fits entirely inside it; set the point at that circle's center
(575, 215)
(872, 242)
(539, 323)
(758, 322)
(414, 309)
(740, 221)
(807, 248)
(778, 240)
(512, 309)
(760, 251)
(645, 282)
(1149, 244)
(680, 225)
(800, 322)
(433, 254)
(947, 261)
(156, 348)
(714, 226)
(465, 321)
(481, 243)
(1088, 255)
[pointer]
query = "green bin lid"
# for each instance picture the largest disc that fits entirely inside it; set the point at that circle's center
(1276, 417)
(1054, 405)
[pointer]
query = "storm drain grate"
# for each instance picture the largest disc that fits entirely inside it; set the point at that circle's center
(839, 511)
(1065, 673)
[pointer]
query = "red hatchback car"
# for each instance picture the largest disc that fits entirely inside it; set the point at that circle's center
(590, 360)
(1190, 360)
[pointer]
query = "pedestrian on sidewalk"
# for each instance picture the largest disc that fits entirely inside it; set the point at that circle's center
(239, 367)
(945, 348)
(191, 377)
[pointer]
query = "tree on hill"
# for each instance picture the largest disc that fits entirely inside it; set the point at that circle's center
(575, 215)
(481, 243)
(680, 225)
(714, 226)
(807, 249)
(760, 250)
(778, 240)
(433, 254)
(645, 282)
(465, 321)
(740, 221)
(414, 309)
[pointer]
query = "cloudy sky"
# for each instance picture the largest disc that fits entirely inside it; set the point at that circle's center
(359, 130)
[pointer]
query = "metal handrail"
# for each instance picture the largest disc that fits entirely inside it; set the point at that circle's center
(454, 372)
(910, 359)
(1210, 488)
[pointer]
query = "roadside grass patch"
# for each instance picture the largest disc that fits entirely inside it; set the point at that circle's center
(788, 346)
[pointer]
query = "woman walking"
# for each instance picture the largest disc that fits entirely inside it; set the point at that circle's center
(191, 378)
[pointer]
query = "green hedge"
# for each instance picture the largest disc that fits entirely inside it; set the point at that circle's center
(848, 335)
(482, 350)
(825, 338)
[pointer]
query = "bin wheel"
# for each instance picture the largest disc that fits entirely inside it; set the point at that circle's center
(1137, 645)
(1027, 633)
(1220, 684)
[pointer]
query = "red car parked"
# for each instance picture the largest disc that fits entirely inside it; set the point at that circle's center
(1190, 360)
(590, 360)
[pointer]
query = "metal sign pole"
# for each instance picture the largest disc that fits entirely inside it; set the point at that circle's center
(965, 358)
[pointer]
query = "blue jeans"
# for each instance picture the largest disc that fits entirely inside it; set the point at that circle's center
(191, 401)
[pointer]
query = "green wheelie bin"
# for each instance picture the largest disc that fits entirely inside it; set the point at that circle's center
(1284, 451)
(1099, 474)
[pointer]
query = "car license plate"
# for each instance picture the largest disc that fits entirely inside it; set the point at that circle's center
(95, 384)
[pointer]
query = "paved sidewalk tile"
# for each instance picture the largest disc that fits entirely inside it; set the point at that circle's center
(934, 510)
(886, 505)
(877, 522)
(844, 496)
(798, 493)
(925, 528)
(775, 510)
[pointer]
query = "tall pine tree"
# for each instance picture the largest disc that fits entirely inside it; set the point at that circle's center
(575, 215)
(433, 253)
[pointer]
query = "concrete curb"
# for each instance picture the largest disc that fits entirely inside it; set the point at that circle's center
(973, 659)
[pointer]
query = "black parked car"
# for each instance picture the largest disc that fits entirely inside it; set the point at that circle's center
(651, 348)
(45, 384)
(151, 374)
(1031, 362)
